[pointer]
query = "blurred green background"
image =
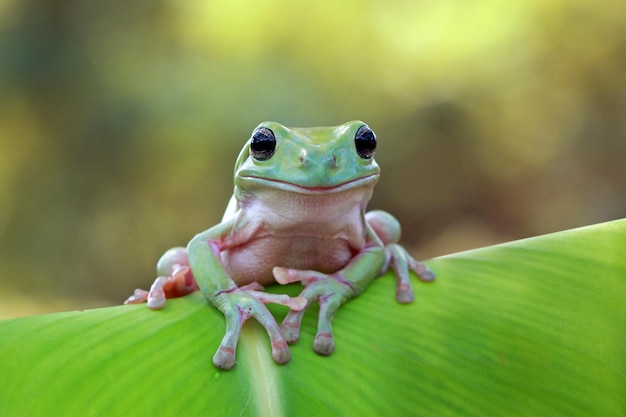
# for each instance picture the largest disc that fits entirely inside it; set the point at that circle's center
(120, 122)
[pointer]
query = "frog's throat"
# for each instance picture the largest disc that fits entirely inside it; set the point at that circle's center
(251, 181)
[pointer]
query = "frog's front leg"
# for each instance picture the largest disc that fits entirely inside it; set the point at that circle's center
(387, 229)
(331, 291)
(237, 304)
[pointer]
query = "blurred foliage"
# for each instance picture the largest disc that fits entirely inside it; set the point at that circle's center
(120, 121)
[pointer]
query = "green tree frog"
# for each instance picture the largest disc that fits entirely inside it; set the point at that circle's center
(297, 214)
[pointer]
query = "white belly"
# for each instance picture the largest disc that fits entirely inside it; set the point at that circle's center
(255, 260)
(317, 232)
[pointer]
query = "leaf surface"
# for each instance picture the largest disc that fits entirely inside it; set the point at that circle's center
(532, 327)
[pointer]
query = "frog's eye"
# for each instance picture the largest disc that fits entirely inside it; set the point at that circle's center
(365, 142)
(263, 144)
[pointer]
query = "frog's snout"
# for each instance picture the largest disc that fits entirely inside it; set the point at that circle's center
(305, 160)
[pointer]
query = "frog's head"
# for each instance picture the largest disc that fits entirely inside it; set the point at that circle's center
(320, 160)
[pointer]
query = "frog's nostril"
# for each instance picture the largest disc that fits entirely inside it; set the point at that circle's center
(303, 160)
(333, 161)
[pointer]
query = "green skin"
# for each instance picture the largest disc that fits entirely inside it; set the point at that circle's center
(295, 215)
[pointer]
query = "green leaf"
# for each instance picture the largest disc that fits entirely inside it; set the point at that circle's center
(533, 327)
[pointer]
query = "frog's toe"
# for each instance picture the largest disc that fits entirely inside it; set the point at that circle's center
(156, 300)
(224, 358)
(290, 331)
(281, 352)
(426, 275)
(404, 294)
(422, 271)
(324, 343)
(156, 296)
(138, 297)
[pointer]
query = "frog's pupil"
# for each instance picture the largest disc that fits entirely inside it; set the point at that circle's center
(263, 144)
(365, 142)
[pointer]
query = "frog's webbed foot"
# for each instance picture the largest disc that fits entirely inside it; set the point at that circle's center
(401, 262)
(330, 290)
(178, 284)
(387, 228)
(238, 305)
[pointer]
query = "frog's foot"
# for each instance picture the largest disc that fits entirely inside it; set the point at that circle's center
(401, 262)
(257, 291)
(178, 284)
(387, 228)
(238, 305)
(331, 291)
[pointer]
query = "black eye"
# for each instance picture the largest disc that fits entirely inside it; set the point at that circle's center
(365, 142)
(263, 144)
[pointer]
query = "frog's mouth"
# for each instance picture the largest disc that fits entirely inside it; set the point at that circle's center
(305, 189)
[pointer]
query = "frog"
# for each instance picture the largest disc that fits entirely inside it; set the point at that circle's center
(297, 214)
